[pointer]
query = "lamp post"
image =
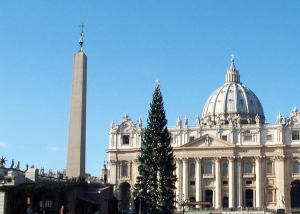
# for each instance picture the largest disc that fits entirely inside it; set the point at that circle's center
(139, 193)
(182, 202)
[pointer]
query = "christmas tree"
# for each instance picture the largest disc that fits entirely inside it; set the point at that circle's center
(155, 185)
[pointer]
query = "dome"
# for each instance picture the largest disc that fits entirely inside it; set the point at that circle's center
(233, 102)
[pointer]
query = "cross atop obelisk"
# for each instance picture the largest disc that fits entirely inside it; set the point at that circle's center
(81, 36)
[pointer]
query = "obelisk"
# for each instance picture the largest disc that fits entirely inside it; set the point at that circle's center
(77, 127)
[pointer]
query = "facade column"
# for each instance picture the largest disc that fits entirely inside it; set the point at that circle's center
(178, 181)
(3, 202)
(185, 178)
(281, 180)
(258, 183)
(198, 179)
(239, 175)
(231, 203)
(137, 173)
(254, 198)
(113, 175)
(218, 183)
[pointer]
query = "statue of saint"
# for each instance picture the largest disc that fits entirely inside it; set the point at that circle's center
(12, 163)
(281, 202)
(238, 119)
(112, 125)
(279, 119)
(178, 123)
(208, 120)
(140, 123)
(185, 121)
(198, 120)
(257, 119)
(217, 120)
(229, 118)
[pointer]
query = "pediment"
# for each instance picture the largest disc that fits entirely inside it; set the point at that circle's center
(208, 141)
(125, 126)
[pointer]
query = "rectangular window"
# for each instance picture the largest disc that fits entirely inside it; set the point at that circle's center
(224, 137)
(269, 196)
(125, 139)
(192, 138)
(125, 169)
(295, 135)
(192, 183)
(225, 182)
(269, 137)
(248, 182)
(248, 138)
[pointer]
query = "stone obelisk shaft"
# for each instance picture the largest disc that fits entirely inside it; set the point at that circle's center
(77, 127)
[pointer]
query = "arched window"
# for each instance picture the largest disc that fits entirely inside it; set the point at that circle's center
(269, 167)
(192, 170)
(225, 169)
(296, 167)
(125, 169)
(249, 167)
(208, 168)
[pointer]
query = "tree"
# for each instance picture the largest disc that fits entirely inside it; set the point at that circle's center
(156, 184)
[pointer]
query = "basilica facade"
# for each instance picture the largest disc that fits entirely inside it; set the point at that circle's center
(230, 157)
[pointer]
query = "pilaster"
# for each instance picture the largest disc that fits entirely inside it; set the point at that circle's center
(239, 186)
(258, 183)
(185, 177)
(281, 183)
(198, 179)
(178, 181)
(231, 171)
(218, 183)
(3, 202)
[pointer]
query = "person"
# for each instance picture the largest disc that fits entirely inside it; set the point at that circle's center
(61, 211)
(29, 211)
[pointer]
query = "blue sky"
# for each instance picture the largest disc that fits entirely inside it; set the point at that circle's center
(187, 45)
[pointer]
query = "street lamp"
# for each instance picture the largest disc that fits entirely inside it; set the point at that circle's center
(182, 202)
(139, 193)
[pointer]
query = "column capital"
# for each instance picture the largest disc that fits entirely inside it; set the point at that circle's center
(198, 159)
(184, 160)
(280, 158)
(231, 159)
(258, 158)
(177, 159)
(217, 159)
(113, 162)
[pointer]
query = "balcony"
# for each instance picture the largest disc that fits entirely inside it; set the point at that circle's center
(248, 176)
(295, 175)
(208, 176)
